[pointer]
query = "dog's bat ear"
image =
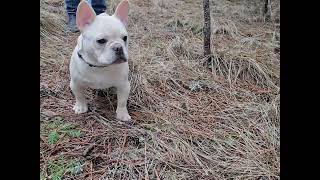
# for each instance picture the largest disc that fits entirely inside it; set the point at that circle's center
(122, 11)
(85, 15)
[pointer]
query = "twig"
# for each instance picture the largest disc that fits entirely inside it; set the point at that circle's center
(100, 118)
(89, 148)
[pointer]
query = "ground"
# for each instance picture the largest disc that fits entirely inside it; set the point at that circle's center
(193, 119)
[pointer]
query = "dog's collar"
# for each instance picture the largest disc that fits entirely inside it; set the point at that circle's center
(90, 65)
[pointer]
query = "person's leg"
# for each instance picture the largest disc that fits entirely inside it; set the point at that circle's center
(99, 6)
(71, 7)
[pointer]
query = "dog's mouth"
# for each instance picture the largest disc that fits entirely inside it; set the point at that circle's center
(119, 61)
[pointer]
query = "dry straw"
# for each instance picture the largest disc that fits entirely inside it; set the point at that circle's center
(193, 120)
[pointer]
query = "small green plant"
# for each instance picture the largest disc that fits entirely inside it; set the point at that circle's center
(58, 168)
(74, 133)
(57, 129)
(53, 137)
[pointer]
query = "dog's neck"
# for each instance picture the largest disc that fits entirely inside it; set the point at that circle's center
(89, 64)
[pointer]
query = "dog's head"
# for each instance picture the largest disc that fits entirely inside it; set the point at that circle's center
(104, 37)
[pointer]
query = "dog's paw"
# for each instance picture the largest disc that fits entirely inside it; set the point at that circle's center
(80, 108)
(123, 115)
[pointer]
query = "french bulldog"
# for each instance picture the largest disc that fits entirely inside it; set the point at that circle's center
(100, 58)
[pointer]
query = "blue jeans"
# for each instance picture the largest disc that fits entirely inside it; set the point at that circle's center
(99, 6)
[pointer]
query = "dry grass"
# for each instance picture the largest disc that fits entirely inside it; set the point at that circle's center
(193, 120)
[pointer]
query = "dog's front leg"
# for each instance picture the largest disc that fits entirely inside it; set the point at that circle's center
(122, 95)
(81, 103)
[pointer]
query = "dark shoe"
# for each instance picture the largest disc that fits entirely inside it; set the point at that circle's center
(72, 25)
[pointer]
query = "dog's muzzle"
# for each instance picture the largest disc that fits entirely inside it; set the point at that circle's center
(118, 50)
(120, 58)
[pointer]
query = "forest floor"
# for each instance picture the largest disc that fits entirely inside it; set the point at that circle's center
(193, 119)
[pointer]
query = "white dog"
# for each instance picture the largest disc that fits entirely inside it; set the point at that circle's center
(100, 59)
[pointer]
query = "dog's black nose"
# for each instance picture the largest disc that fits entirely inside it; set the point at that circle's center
(118, 49)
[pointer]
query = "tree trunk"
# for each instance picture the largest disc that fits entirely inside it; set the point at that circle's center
(266, 10)
(206, 30)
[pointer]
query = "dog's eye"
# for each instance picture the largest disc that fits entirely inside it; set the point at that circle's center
(125, 38)
(101, 41)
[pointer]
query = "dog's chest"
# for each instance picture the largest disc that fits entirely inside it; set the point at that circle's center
(101, 78)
